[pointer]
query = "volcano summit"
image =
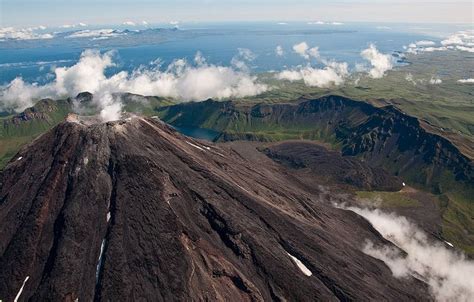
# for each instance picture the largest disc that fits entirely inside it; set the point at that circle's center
(132, 210)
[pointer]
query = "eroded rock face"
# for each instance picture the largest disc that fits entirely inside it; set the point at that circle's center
(384, 137)
(131, 210)
(332, 166)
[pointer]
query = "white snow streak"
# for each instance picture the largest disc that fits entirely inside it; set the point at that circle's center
(195, 146)
(21, 289)
(300, 265)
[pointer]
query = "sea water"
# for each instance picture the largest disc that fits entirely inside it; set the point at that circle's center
(34, 60)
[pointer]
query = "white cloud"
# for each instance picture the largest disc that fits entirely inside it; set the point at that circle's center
(464, 48)
(466, 81)
(282, 23)
(174, 22)
(303, 50)
(279, 52)
(199, 59)
(333, 73)
(80, 24)
(380, 62)
(180, 80)
(459, 38)
(144, 22)
(95, 33)
(409, 78)
(449, 274)
(111, 107)
(462, 41)
(325, 23)
(129, 23)
(243, 57)
(424, 43)
(11, 33)
(20, 95)
(317, 23)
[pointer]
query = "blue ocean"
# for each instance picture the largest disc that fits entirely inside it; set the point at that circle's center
(135, 48)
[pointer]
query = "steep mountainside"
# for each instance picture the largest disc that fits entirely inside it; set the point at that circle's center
(18, 129)
(382, 136)
(303, 155)
(21, 128)
(131, 210)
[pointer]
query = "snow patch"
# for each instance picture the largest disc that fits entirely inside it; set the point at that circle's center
(449, 243)
(99, 263)
(195, 146)
(21, 289)
(108, 216)
(19, 158)
(300, 265)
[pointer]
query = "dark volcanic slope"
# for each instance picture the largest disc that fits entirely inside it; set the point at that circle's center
(303, 155)
(131, 210)
(384, 137)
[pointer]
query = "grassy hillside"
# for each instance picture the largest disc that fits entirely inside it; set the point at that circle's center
(384, 137)
(19, 129)
(449, 105)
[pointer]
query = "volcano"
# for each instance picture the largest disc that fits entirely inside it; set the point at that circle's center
(133, 210)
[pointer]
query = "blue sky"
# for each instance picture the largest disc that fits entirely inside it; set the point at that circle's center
(59, 12)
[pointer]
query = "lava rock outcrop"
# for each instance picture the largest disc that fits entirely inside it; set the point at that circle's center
(132, 210)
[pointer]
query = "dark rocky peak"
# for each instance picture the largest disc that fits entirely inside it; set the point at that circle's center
(132, 210)
(84, 97)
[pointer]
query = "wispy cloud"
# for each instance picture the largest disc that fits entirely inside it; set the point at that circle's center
(31, 33)
(448, 273)
(95, 33)
(279, 52)
(80, 24)
(303, 50)
(380, 62)
(324, 23)
(466, 81)
(179, 80)
(333, 73)
(129, 23)
(462, 41)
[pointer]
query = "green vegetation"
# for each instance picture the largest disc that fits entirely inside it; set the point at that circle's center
(18, 130)
(449, 105)
(387, 199)
(458, 219)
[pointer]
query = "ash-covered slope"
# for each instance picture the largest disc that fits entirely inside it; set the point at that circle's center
(131, 210)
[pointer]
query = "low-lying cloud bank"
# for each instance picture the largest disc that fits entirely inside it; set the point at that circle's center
(31, 33)
(466, 81)
(95, 33)
(324, 23)
(333, 73)
(180, 80)
(449, 274)
(462, 41)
